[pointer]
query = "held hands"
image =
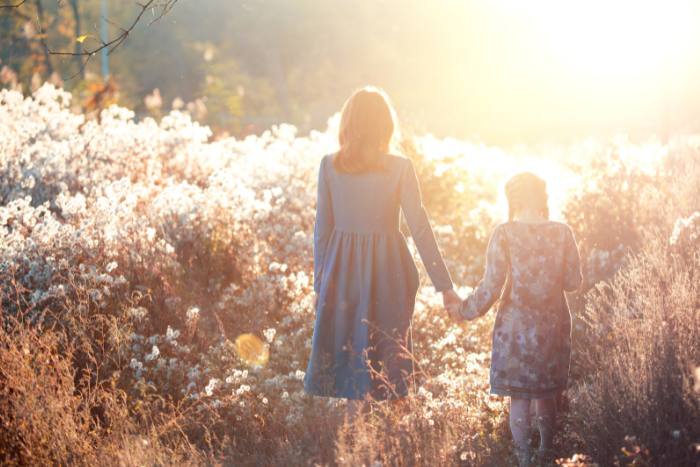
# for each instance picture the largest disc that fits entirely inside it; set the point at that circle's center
(451, 301)
(453, 312)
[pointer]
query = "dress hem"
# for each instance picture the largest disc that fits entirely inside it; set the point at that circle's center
(373, 399)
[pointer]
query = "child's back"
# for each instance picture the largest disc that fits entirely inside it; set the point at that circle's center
(531, 337)
(537, 260)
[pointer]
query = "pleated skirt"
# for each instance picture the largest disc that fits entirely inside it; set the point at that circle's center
(362, 340)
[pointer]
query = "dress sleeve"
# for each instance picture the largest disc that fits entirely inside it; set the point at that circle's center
(479, 302)
(421, 230)
(324, 223)
(572, 264)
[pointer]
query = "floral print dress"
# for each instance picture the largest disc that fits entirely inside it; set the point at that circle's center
(532, 333)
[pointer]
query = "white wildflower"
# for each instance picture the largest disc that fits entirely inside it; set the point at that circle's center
(192, 314)
(171, 335)
(213, 384)
(154, 354)
(269, 334)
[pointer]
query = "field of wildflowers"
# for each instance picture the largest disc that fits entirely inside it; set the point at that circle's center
(134, 255)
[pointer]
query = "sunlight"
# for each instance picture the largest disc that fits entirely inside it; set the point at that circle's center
(612, 38)
(492, 160)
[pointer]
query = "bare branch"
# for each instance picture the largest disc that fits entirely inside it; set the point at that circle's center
(166, 6)
(97, 36)
(14, 6)
(113, 24)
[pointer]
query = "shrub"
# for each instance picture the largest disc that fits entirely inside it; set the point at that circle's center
(61, 401)
(645, 351)
(132, 255)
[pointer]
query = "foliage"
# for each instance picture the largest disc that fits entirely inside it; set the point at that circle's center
(133, 255)
(618, 198)
(645, 350)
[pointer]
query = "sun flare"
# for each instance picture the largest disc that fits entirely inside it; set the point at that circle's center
(612, 38)
(252, 350)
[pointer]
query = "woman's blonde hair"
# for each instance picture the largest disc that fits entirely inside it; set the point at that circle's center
(526, 188)
(367, 126)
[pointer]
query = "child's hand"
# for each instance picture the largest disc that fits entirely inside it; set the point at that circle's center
(453, 311)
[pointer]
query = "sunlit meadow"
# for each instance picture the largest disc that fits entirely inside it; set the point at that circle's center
(157, 298)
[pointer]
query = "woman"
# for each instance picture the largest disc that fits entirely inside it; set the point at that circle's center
(365, 279)
(537, 260)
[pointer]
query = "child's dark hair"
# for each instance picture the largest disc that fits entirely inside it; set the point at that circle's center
(525, 188)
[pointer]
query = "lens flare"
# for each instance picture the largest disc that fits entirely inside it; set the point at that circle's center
(252, 350)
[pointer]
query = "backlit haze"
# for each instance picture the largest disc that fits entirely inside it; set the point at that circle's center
(501, 72)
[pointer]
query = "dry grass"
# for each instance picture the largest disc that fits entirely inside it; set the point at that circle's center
(644, 343)
(81, 382)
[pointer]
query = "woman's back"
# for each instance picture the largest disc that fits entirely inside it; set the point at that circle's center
(366, 279)
(367, 202)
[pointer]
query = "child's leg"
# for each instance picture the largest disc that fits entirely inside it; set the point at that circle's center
(547, 413)
(520, 427)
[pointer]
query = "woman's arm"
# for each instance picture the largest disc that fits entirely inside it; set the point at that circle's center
(572, 264)
(324, 223)
(479, 302)
(421, 230)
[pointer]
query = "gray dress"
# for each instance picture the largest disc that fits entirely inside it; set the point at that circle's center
(531, 344)
(367, 281)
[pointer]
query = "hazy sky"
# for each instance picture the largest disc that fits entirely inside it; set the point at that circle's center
(539, 69)
(499, 71)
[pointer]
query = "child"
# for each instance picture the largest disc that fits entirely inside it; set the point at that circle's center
(365, 280)
(537, 260)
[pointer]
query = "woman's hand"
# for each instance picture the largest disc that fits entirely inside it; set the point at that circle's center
(316, 301)
(450, 297)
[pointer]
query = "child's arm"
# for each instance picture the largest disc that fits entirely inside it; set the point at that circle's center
(324, 223)
(572, 264)
(489, 289)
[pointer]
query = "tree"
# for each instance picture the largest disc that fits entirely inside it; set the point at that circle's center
(82, 53)
(76, 15)
(164, 7)
(19, 41)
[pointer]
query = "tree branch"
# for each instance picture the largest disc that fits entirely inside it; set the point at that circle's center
(166, 6)
(14, 6)
(39, 15)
